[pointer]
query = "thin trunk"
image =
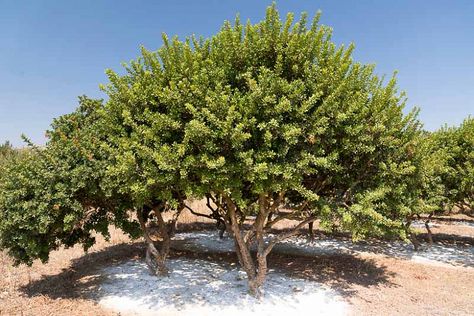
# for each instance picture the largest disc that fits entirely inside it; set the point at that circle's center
(427, 226)
(156, 256)
(270, 217)
(310, 231)
(243, 252)
(411, 234)
(220, 220)
(414, 241)
(236, 245)
(221, 226)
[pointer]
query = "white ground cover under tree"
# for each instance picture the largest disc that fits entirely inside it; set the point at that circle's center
(299, 245)
(200, 287)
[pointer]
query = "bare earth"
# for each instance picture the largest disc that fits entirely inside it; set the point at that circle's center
(372, 284)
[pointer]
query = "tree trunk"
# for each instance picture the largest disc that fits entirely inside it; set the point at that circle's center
(256, 267)
(310, 231)
(411, 234)
(243, 250)
(427, 226)
(261, 267)
(247, 261)
(165, 230)
(155, 261)
(414, 241)
(157, 252)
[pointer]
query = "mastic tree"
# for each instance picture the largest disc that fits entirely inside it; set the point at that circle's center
(458, 175)
(5, 149)
(446, 174)
(263, 115)
(431, 160)
(464, 164)
(145, 120)
(292, 117)
(51, 196)
(6, 152)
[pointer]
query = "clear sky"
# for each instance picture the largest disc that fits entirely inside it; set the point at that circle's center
(53, 51)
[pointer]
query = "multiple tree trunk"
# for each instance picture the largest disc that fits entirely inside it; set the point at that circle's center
(154, 227)
(251, 246)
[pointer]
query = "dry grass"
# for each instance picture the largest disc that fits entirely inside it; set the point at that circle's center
(374, 285)
(16, 299)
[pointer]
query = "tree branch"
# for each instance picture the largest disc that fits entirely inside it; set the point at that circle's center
(288, 234)
(197, 213)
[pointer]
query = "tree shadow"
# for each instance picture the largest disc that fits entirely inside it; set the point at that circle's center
(340, 272)
(82, 278)
(447, 239)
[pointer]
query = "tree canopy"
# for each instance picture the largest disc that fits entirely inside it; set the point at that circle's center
(457, 175)
(262, 114)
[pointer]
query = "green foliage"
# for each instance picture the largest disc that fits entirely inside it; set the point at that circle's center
(432, 162)
(457, 176)
(262, 109)
(256, 112)
(51, 196)
(446, 174)
(463, 163)
(6, 149)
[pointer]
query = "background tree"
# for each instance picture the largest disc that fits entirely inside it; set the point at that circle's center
(6, 152)
(458, 175)
(51, 196)
(431, 161)
(446, 175)
(464, 164)
(6, 148)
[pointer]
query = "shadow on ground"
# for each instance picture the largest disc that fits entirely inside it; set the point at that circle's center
(447, 239)
(83, 278)
(340, 272)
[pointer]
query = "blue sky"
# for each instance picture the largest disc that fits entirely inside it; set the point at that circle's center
(53, 51)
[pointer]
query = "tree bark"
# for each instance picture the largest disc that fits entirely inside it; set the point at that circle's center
(245, 256)
(157, 252)
(256, 267)
(427, 226)
(311, 231)
(411, 234)
(414, 241)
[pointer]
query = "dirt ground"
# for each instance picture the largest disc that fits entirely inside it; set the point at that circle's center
(413, 289)
(372, 284)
